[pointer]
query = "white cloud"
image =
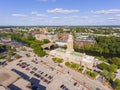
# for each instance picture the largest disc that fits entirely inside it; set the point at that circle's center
(110, 11)
(76, 17)
(19, 15)
(38, 14)
(60, 10)
(55, 17)
(34, 12)
(41, 15)
(112, 19)
(96, 16)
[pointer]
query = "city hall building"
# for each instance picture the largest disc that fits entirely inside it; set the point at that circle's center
(70, 55)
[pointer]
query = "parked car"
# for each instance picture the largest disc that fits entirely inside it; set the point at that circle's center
(23, 66)
(32, 72)
(20, 60)
(34, 69)
(75, 84)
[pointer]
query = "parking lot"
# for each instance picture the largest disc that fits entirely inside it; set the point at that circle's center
(37, 70)
(42, 75)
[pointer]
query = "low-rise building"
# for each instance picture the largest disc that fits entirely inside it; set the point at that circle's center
(84, 42)
(61, 43)
(50, 37)
(9, 79)
(21, 84)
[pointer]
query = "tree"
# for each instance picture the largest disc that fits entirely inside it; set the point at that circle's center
(106, 46)
(31, 38)
(105, 73)
(1, 56)
(108, 75)
(111, 76)
(117, 84)
(39, 51)
(9, 55)
(103, 66)
(46, 41)
(112, 68)
(93, 74)
(102, 58)
(116, 61)
(2, 48)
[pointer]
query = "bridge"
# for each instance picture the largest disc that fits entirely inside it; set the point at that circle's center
(49, 46)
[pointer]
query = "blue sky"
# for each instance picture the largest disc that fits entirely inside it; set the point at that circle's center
(59, 12)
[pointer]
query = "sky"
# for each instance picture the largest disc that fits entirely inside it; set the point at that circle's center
(59, 12)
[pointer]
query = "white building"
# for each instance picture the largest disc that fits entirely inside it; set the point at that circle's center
(61, 43)
(72, 56)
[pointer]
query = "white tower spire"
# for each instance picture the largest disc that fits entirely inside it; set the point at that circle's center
(70, 44)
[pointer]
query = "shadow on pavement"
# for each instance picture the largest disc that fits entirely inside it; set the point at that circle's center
(35, 82)
(26, 77)
(13, 87)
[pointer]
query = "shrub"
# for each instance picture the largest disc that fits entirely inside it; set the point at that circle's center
(74, 66)
(17, 56)
(80, 69)
(57, 60)
(92, 74)
(68, 64)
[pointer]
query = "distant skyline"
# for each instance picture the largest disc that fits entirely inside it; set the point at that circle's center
(59, 12)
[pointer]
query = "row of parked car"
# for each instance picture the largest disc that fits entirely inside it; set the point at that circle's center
(23, 64)
(34, 71)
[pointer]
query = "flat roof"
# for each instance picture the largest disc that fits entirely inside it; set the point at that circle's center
(88, 59)
(3, 88)
(77, 54)
(2, 60)
(7, 77)
(73, 53)
(22, 84)
(60, 50)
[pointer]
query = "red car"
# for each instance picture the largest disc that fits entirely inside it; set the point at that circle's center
(60, 65)
(23, 66)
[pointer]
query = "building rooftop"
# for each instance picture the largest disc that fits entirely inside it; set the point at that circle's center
(61, 50)
(86, 58)
(73, 53)
(3, 88)
(22, 84)
(7, 77)
(77, 54)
